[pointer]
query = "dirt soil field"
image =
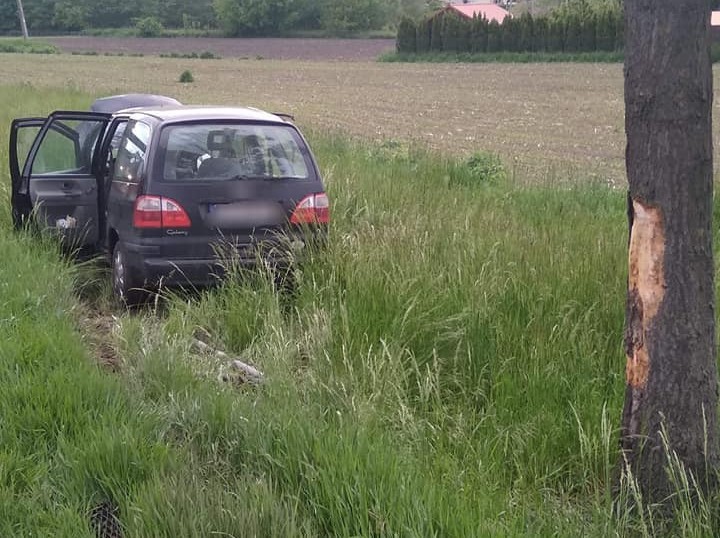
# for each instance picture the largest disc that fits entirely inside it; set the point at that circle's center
(269, 48)
(549, 121)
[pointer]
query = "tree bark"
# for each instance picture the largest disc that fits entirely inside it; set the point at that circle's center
(670, 314)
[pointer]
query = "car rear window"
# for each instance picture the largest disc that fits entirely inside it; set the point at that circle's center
(222, 151)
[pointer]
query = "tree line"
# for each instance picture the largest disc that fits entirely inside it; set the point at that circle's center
(232, 17)
(57, 16)
(575, 26)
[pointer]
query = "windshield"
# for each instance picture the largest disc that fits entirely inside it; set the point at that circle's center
(222, 151)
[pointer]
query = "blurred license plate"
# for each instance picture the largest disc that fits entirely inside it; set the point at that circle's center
(244, 214)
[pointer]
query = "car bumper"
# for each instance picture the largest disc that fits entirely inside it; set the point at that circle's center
(161, 271)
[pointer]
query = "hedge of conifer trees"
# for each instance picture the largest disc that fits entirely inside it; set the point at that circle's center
(577, 26)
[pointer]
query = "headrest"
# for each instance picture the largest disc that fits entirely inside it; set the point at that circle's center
(218, 140)
(252, 141)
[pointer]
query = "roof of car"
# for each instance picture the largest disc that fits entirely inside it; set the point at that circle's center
(196, 113)
(114, 103)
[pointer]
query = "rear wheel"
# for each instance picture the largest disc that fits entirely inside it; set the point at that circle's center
(125, 282)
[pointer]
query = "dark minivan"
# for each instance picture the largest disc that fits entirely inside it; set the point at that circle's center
(168, 191)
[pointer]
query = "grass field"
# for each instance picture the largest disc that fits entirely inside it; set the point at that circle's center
(451, 366)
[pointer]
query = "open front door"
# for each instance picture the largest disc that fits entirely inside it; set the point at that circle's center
(23, 132)
(59, 176)
(106, 162)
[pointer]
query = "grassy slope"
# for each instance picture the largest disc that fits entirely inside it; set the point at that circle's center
(451, 367)
(72, 436)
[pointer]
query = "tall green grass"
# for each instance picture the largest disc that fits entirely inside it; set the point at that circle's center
(32, 46)
(517, 57)
(444, 354)
(450, 365)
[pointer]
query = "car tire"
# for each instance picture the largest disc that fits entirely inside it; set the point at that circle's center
(126, 284)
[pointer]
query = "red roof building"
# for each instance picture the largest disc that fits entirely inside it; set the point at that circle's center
(491, 12)
(715, 26)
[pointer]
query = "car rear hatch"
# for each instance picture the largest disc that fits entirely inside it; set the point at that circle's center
(235, 190)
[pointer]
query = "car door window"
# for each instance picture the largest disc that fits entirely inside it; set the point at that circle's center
(67, 148)
(111, 145)
(58, 153)
(25, 139)
(116, 140)
(130, 162)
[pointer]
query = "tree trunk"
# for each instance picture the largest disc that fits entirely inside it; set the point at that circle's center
(670, 313)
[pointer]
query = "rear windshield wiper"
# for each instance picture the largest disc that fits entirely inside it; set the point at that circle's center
(241, 177)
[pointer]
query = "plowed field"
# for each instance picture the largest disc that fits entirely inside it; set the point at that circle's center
(549, 121)
(269, 48)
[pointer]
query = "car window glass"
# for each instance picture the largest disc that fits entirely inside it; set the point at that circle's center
(132, 153)
(227, 151)
(25, 137)
(114, 147)
(117, 139)
(67, 147)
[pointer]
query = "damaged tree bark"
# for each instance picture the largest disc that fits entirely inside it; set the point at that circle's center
(670, 320)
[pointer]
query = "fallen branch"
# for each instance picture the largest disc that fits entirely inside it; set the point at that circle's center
(247, 373)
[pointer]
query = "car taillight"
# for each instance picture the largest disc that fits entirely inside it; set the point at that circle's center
(313, 209)
(173, 215)
(159, 212)
(148, 212)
